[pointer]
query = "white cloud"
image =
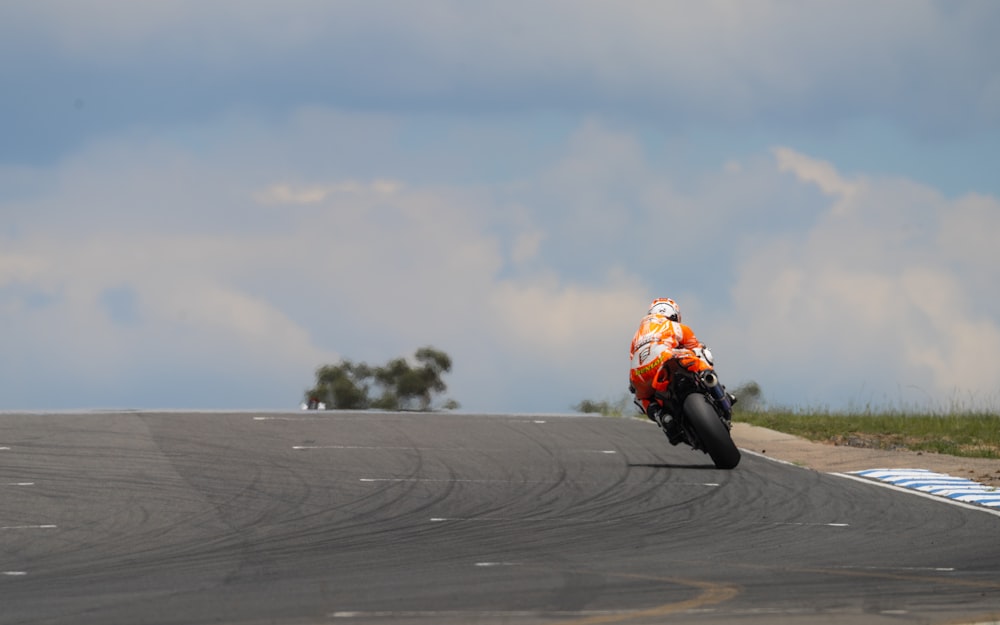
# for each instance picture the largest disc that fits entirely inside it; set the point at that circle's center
(969, 234)
(281, 193)
(526, 246)
(917, 61)
(20, 267)
(820, 173)
(509, 181)
(246, 261)
(956, 342)
(188, 314)
(875, 298)
(560, 324)
(367, 270)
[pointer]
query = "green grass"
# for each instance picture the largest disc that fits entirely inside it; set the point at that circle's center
(956, 431)
(973, 435)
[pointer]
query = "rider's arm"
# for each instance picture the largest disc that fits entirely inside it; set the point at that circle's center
(688, 339)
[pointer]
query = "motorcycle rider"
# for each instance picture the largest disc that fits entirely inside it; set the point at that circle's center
(660, 337)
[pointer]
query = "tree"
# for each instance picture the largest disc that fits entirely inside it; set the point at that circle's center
(343, 385)
(412, 388)
(750, 396)
(427, 379)
(605, 407)
(401, 385)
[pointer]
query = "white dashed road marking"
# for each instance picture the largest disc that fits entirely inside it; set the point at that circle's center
(808, 524)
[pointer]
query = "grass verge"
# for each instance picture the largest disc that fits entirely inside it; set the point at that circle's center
(971, 435)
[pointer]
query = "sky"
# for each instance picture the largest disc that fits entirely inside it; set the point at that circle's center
(201, 203)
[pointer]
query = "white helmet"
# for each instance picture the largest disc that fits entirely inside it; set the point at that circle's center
(666, 307)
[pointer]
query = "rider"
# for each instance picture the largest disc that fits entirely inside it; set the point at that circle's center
(660, 337)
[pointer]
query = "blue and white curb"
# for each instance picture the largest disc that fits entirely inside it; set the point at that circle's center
(940, 484)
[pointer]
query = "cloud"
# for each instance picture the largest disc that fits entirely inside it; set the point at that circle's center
(218, 268)
(924, 65)
(875, 295)
(223, 270)
(180, 314)
(284, 194)
(820, 173)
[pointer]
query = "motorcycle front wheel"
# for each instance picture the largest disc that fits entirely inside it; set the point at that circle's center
(712, 432)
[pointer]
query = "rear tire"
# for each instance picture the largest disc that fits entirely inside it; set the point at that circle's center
(712, 432)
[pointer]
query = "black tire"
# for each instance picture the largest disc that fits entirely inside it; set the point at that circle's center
(712, 432)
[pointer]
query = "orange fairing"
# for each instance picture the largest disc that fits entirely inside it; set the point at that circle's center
(685, 358)
(662, 380)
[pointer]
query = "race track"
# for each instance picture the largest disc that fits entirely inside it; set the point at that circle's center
(361, 518)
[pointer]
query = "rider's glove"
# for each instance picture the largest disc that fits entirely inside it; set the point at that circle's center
(705, 354)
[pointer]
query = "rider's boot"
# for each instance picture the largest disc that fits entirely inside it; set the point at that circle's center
(653, 410)
(671, 427)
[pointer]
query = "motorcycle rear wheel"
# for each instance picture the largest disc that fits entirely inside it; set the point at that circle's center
(712, 432)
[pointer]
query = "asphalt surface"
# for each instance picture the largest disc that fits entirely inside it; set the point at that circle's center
(362, 518)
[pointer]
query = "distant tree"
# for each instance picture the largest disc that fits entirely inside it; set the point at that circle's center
(387, 377)
(590, 406)
(749, 396)
(605, 407)
(344, 385)
(428, 382)
(401, 385)
(412, 388)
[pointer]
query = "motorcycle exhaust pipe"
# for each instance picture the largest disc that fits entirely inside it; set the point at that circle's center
(712, 384)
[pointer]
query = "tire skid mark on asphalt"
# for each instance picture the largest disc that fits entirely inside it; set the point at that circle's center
(711, 593)
(333, 416)
(489, 519)
(562, 477)
(465, 615)
(357, 528)
(593, 504)
(455, 449)
(518, 496)
(412, 481)
(905, 574)
(513, 482)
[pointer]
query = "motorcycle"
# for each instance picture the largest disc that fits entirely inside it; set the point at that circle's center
(701, 409)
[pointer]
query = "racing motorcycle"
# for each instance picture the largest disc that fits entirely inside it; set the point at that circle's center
(701, 409)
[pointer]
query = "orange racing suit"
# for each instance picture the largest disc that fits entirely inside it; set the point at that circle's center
(657, 340)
